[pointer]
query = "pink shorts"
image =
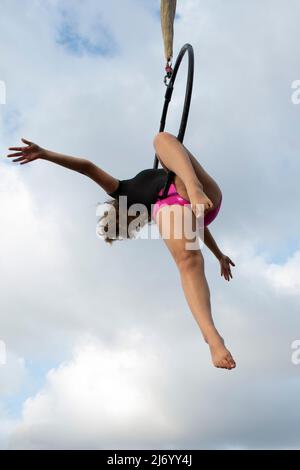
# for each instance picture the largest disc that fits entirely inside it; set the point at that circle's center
(175, 198)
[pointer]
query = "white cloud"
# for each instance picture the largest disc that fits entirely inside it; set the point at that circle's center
(142, 393)
(7, 425)
(12, 374)
(287, 276)
(100, 398)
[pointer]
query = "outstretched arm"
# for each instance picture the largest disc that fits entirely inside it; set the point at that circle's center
(224, 260)
(33, 152)
(211, 243)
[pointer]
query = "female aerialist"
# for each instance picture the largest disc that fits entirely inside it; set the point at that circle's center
(192, 188)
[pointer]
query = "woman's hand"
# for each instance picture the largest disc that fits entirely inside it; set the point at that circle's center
(225, 263)
(27, 154)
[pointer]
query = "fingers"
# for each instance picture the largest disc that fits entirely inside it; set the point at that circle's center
(14, 154)
(22, 149)
(26, 141)
(25, 154)
(226, 273)
(17, 148)
(25, 159)
(19, 159)
(227, 261)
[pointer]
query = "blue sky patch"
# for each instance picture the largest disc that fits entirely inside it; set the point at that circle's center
(36, 372)
(78, 44)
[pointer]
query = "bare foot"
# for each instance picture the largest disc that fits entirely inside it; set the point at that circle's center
(200, 203)
(221, 357)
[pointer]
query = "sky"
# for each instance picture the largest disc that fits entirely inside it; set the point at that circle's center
(101, 350)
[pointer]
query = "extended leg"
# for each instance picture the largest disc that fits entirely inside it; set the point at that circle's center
(191, 268)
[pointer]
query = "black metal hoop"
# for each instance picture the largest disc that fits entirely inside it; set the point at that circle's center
(186, 106)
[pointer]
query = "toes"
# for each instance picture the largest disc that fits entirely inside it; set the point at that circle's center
(224, 364)
(221, 364)
(231, 361)
(217, 364)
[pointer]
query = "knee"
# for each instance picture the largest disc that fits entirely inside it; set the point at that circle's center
(161, 137)
(188, 260)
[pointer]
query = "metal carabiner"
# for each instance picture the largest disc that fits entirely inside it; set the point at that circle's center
(169, 71)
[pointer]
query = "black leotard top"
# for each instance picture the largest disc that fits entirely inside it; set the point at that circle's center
(142, 188)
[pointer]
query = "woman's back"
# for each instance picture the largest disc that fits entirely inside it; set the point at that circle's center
(143, 188)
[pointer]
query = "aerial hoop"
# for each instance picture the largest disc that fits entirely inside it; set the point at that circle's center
(186, 106)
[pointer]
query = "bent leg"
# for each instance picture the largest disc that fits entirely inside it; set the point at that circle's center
(210, 186)
(176, 150)
(173, 155)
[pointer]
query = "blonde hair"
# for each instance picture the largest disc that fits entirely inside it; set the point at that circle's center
(111, 218)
